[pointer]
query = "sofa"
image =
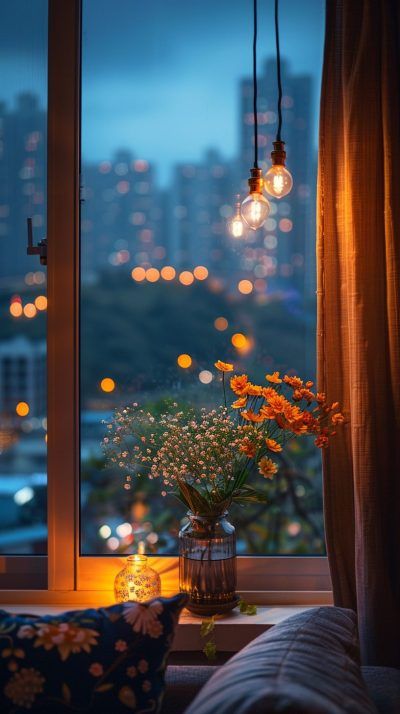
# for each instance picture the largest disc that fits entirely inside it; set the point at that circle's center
(308, 663)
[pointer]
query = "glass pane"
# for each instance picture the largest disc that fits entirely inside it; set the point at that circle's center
(166, 145)
(23, 156)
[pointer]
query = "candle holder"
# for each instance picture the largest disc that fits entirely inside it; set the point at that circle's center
(137, 581)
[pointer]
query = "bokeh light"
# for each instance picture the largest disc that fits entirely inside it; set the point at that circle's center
(107, 384)
(245, 287)
(186, 277)
(138, 274)
(184, 361)
(205, 376)
(152, 275)
(41, 302)
(124, 530)
(221, 323)
(285, 225)
(22, 409)
(105, 531)
(200, 272)
(240, 341)
(30, 310)
(113, 543)
(168, 272)
(16, 309)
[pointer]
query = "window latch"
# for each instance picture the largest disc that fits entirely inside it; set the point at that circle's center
(40, 249)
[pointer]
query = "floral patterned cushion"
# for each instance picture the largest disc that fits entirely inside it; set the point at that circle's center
(108, 660)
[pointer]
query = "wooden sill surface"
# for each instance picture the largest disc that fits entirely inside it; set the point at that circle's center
(232, 632)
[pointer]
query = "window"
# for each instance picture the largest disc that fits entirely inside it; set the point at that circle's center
(167, 141)
(83, 199)
(23, 192)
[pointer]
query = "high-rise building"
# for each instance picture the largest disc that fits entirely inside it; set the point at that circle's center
(201, 192)
(290, 229)
(123, 217)
(23, 376)
(23, 170)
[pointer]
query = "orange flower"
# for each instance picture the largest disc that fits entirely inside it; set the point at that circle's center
(249, 415)
(239, 384)
(337, 418)
(321, 397)
(253, 390)
(223, 366)
(321, 441)
(268, 392)
(311, 422)
(240, 403)
(278, 403)
(282, 423)
(294, 382)
(247, 447)
(309, 384)
(297, 426)
(267, 412)
(273, 445)
(292, 413)
(274, 378)
(267, 467)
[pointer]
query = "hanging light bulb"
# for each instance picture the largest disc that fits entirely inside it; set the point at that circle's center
(278, 180)
(235, 224)
(255, 207)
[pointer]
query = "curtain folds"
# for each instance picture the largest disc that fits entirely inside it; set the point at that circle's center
(358, 257)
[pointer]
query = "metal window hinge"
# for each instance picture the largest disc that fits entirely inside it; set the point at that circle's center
(40, 249)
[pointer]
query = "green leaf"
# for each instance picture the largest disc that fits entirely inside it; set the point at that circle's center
(251, 610)
(247, 494)
(210, 650)
(66, 693)
(247, 609)
(190, 495)
(207, 627)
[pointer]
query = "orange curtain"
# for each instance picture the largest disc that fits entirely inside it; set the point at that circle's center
(358, 256)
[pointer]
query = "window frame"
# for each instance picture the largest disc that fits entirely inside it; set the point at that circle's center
(73, 577)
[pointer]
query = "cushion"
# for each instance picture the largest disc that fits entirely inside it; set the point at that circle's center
(308, 664)
(182, 685)
(383, 684)
(106, 660)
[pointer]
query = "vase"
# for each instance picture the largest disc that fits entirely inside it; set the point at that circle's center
(207, 564)
(137, 581)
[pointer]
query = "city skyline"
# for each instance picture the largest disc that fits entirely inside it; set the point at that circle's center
(128, 66)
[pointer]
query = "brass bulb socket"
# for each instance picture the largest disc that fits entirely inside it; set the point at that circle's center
(256, 181)
(278, 155)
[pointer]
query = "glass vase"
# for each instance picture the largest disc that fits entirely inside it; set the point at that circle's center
(137, 581)
(207, 564)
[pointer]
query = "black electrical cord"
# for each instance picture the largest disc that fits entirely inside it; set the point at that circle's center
(255, 91)
(278, 66)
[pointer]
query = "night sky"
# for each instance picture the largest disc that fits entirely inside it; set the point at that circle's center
(161, 77)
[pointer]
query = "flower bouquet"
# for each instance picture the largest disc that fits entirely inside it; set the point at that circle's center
(205, 459)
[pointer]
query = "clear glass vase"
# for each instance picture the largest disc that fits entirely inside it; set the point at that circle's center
(207, 564)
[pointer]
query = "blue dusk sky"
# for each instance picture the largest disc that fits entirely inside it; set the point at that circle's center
(161, 77)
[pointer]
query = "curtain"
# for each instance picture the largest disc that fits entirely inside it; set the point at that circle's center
(358, 333)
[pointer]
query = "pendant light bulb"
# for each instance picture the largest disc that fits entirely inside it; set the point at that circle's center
(278, 180)
(255, 207)
(236, 226)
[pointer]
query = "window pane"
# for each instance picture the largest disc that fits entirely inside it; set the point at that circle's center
(23, 156)
(166, 145)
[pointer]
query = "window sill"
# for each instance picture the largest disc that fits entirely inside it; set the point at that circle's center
(232, 632)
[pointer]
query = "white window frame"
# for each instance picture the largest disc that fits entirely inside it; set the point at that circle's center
(73, 578)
